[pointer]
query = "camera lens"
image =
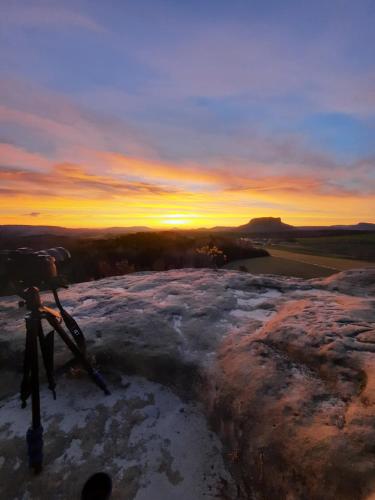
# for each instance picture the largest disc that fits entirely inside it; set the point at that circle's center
(47, 267)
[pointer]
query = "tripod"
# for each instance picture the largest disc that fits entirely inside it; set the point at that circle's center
(30, 380)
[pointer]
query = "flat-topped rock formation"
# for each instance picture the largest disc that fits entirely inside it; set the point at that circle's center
(266, 225)
(283, 368)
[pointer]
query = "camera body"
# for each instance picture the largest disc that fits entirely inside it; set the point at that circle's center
(27, 267)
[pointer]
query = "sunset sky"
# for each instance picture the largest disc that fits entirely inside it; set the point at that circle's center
(191, 113)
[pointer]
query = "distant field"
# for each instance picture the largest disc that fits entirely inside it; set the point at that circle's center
(300, 265)
(280, 266)
(351, 246)
(333, 263)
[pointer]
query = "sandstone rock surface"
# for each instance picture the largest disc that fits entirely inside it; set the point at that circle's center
(284, 369)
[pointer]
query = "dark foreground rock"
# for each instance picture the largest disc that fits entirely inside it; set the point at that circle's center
(285, 369)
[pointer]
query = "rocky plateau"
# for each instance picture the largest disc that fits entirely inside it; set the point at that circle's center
(225, 385)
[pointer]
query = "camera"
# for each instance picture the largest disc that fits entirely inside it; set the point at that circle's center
(27, 267)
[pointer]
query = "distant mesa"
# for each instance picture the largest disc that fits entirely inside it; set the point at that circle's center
(266, 225)
(269, 225)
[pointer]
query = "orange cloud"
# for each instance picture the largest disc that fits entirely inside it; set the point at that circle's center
(135, 191)
(122, 164)
(73, 180)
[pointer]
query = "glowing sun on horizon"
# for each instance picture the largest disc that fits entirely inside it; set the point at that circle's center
(176, 222)
(176, 219)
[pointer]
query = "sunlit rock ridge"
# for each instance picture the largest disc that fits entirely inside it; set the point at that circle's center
(282, 368)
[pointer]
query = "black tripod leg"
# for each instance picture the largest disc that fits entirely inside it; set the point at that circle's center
(94, 374)
(25, 390)
(34, 436)
(46, 346)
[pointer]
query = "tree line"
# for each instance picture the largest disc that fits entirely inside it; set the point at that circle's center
(94, 259)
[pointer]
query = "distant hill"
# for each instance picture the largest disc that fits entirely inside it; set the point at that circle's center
(361, 226)
(25, 230)
(265, 225)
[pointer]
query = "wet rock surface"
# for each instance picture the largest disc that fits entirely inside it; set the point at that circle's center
(284, 368)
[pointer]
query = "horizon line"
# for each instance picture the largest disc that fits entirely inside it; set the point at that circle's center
(189, 228)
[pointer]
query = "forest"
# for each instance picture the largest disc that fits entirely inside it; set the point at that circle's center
(93, 259)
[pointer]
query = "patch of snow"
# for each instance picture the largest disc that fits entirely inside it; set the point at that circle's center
(176, 322)
(73, 454)
(98, 450)
(88, 302)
